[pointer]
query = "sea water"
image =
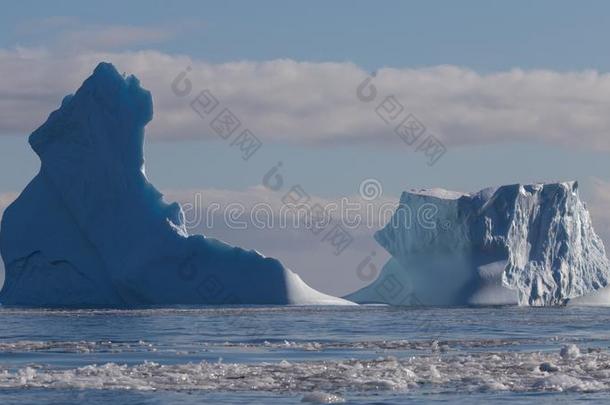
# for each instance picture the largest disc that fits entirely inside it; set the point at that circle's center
(267, 355)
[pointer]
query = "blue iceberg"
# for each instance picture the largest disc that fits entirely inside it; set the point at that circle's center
(531, 244)
(90, 230)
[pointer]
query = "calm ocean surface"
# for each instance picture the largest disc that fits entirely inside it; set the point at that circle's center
(268, 355)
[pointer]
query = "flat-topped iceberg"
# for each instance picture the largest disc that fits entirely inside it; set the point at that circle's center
(90, 230)
(516, 244)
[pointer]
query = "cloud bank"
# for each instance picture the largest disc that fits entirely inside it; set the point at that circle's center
(318, 104)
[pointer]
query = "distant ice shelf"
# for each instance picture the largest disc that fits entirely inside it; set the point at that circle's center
(528, 244)
(90, 230)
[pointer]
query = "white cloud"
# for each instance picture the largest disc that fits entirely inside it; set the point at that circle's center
(316, 103)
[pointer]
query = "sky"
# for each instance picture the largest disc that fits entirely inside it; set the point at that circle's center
(516, 92)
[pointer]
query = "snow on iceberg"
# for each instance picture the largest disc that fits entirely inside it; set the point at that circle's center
(517, 244)
(90, 230)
